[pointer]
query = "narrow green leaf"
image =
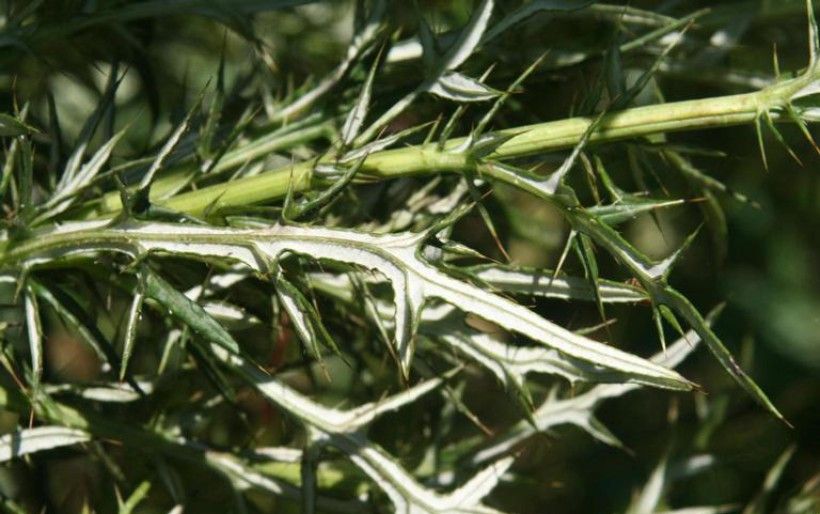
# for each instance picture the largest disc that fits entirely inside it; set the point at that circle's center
(76, 178)
(305, 318)
(591, 266)
(34, 330)
(25, 178)
(683, 308)
(538, 282)
(10, 162)
(459, 52)
(167, 147)
(116, 392)
(32, 440)
(814, 36)
(469, 37)
(188, 311)
(134, 316)
(461, 88)
(630, 207)
(74, 316)
(136, 497)
(296, 211)
(779, 137)
(13, 126)
(760, 502)
(353, 123)
(430, 54)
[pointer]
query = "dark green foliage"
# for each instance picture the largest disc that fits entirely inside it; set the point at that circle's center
(423, 257)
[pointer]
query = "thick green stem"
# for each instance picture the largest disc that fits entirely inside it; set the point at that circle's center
(527, 140)
(178, 177)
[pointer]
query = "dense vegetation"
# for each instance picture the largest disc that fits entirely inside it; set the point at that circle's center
(445, 256)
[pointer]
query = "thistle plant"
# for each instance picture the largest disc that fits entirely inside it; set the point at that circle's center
(296, 298)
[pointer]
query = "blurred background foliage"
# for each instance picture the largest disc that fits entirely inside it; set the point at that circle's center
(58, 55)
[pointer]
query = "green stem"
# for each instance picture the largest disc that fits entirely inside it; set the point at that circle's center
(527, 140)
(178, 177)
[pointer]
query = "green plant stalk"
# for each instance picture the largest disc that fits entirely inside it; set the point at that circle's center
(723, 111)
(178, 176)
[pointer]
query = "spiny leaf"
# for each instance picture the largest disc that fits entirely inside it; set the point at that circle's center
(170, 143)
(295, 211)
(508, 362)
(630, 207)
(461, 88)
(650, 274)
(409, 496)
(305, 318)
(379, 144)
(396, 256)
(538, 282)
(683, 308)
(469, 37)
(462, 48)
(342, 430)
(580, 410)
(699, 177)
(361, 42)
(476, 133)
(652, 277)
(76, 177)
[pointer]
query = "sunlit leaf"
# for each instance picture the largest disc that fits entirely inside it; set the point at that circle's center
(396, 256)
(32, 440)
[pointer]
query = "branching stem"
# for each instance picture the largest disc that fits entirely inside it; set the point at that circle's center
(723, 111)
